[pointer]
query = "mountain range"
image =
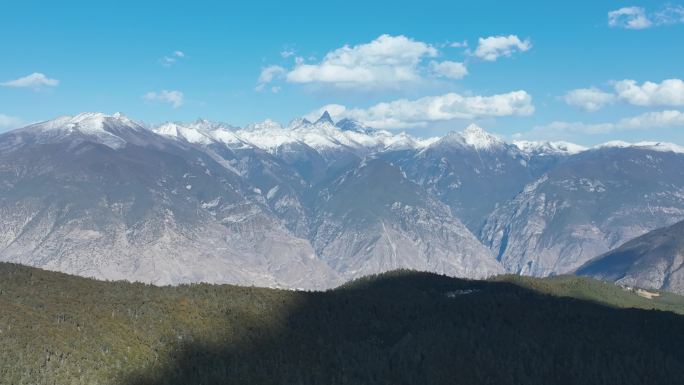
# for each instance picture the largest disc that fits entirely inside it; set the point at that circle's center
(314, 204)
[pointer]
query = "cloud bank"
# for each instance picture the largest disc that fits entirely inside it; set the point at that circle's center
(404, 113)
(668, 93)
(35, 80)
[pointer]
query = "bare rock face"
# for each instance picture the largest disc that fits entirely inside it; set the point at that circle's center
(394, 225)
(654, 260)
(585, 206)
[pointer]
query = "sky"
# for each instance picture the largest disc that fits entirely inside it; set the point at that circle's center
(583, 71)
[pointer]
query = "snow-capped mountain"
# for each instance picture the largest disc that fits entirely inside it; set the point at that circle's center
(548, 148)
(312, 204)
(471, 171)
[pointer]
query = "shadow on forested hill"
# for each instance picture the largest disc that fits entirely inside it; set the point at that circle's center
(415, 328)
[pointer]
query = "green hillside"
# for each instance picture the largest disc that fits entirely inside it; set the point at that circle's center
(396, 328)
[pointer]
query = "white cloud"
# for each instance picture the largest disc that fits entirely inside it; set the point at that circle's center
(629, 17)
(590, 99)
(669, 14)
(387, 61)
(35, 80)
(267, 75)
(669, 92)
(493, 47)
(646, 121)
(7, 121)
(168, 61)
(405, 113)
(174, 98)
(638, 18)
(287, 53)
(449, 69)
(459, 44)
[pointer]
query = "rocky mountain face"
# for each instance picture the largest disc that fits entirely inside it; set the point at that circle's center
(101, 196)
(471, 171)
(311, 205)
(588, 204)
(654, 260)
(372, 219)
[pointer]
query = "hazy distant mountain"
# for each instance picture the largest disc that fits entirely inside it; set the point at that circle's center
(654, 260)
(315, 203)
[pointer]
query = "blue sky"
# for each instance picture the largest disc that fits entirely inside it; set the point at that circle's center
(585, 71)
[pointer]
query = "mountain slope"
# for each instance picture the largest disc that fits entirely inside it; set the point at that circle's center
(373, 219)
(139, 207)
(400, 327)
(471, 171)
(586, 205)
(654, 260)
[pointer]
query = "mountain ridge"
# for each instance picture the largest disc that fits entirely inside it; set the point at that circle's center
(291, 206)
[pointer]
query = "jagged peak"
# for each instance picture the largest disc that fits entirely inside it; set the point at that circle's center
(477, 137)
(201, 131)
(325, 118)
(298, 122)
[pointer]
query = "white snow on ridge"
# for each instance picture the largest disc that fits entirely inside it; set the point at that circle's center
(477, 137)
(645, 145)
(203, 132)
(548, 148)
(323, 135)
(92, 124)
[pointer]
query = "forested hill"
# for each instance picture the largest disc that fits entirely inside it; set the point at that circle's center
(397, 328)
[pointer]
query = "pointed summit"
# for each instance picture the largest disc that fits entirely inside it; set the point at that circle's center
(325, 118)
(477, 137)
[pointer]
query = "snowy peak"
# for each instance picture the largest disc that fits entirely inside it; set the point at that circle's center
(325, 118)
(87, 123)
(473, 137)
(110, 130)
(353, 125)
(477, 137)
(548, 148)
